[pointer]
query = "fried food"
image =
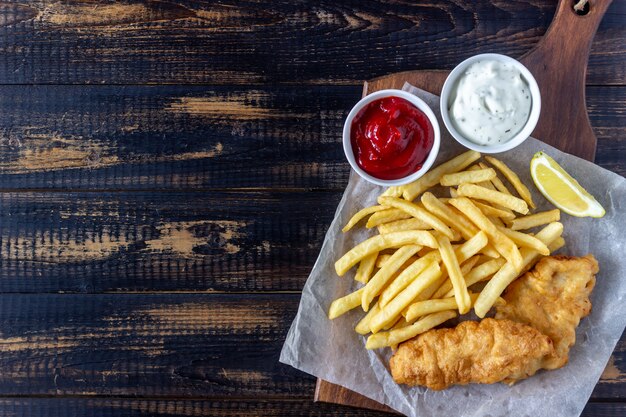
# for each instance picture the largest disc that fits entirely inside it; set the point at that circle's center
(380, 242)
(503, 244)
(536, 219)
(533, 330)
(493, 196)
(508, 273)
(486, 352)
(519, 186)
(463, 177)
(552, 298)
(362, 214)
(406, 332)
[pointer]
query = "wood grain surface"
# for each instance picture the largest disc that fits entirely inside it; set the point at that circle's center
(168, 170)
(129, 407)
(265, 41)
(91, 242)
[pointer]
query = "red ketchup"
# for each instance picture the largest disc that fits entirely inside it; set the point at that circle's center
(391, 138)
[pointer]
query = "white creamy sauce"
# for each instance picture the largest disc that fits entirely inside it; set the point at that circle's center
(491, 103)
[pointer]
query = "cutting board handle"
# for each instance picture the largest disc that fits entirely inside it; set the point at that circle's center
(559, 64)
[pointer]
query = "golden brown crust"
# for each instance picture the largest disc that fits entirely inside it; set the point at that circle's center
(552, 298)
(534, 330)
(486, 352)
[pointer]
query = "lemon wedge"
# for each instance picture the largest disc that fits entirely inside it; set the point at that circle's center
(561, 189)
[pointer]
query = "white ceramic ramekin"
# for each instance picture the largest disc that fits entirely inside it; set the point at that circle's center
(533, 117)
(417, 102)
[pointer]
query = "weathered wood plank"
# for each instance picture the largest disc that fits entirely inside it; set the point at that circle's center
(176, 345)
(131, 407)
(170, 137)
(173, 137)
(141, 241)
(273, 42)
(609, 124)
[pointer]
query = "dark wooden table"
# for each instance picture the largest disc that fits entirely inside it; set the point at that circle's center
(168, 170)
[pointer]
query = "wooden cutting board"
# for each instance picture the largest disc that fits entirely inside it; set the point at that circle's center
(559, 64)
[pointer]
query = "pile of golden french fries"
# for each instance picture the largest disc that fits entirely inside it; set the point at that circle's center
(431, 253)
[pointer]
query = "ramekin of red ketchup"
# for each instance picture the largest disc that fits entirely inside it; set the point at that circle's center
(391, 137)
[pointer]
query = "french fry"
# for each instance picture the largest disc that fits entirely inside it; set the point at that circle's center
(386, 216)
(482, 193)
(406, 277)
(480, 273)
(494, 212)
(521, 189)
(496, 221)
(446, 290)
(431, 178)
(360, 215)
(366, 267)
(496, 182)
(401, 323)
(401, 225)
(464, 225)
(471, 247)
(508, 272)
(394, 191)
(423, 308)
(503, 244)
(395, 337)
(380, 242)
(486, 184)
(363, 326)
(477, 274)
(467, 266)
(420, 213)
(445, 213)
(454, 272)
(344, 304)
(384, 274)
(462, 177)
(382, 259)
(557, 244)
(391, 311)
(537, 219)
(464, 254)
(491, 186)
(522, 239)
(428, 292)
(396, 324)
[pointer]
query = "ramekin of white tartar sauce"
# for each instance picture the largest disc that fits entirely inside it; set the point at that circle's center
(490, 103)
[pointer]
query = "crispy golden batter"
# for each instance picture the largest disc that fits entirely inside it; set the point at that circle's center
(486, 352)
(552, 298)
(534, 330)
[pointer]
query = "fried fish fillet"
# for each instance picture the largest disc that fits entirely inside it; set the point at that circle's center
(534, 330)
(486, 352)
(552, 298)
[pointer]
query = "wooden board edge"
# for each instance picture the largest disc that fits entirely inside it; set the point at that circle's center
(327, 392)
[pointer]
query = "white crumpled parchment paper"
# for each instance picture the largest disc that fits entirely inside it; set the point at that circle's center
(333, 351)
